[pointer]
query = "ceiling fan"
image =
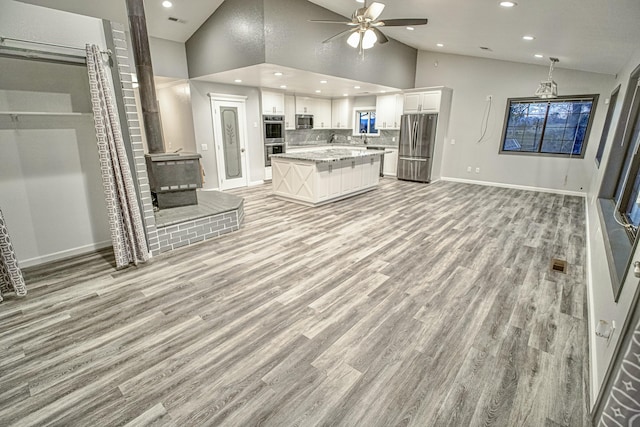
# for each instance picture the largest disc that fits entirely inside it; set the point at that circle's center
(365, 28)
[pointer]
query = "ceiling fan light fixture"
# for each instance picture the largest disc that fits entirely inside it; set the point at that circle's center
(369, 39)
(354, 40)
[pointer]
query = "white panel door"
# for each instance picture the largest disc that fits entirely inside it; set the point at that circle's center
(229, 129)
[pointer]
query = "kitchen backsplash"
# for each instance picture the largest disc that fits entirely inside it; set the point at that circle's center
(322, 136)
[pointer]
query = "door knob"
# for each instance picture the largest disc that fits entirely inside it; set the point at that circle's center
(242, 150)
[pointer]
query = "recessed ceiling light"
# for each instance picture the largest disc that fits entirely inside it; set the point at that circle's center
(439, 45)
(410, 28)
(323, 81)
(238, 81)
(528, 38)
(508, 3)
(318, 91)
(383, 91)
(345, 94)
(356, 87)
(283, 86)
(360, 1)
(167, 3)
(277, 73)
(538, 55)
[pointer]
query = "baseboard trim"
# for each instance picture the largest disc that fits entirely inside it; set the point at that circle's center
(515, 186)
(254, 183)
(64, 254)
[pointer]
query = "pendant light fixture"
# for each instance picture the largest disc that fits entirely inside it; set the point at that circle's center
(548, 88)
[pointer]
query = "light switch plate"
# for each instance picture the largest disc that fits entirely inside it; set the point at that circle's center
(204, 147)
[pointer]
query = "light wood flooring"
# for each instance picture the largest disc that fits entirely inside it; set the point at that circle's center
(418, 305)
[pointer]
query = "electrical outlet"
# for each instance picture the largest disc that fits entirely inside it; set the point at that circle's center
(468, 168)
(393, 139)
(204, 147)
(477, 170)
(453, 141)
(255, 124)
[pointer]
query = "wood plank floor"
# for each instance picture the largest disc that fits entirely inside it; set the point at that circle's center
(418, 305)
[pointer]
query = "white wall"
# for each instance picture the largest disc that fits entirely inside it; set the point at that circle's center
(169, 58)
(472, 79)
(50, 185)
(601, 298)
(177, 117)
(203, 125)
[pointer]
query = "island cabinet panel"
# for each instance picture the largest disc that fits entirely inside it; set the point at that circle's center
(318, 182)
(295, 179)
(329, 181)
(351, 175)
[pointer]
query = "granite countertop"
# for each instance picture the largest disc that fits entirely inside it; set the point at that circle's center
(329, 155)
(336, 145)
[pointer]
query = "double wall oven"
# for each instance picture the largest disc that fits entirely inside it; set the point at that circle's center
(273, 127)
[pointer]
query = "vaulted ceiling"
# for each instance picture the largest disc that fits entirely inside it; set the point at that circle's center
(589, 35)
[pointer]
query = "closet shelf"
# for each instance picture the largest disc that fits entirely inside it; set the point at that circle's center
(43, 113)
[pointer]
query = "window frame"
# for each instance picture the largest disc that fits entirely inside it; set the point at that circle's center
(356, 121)
(613, 101)
(532, 99)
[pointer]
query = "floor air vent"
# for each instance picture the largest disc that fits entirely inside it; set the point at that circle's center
(559, 265)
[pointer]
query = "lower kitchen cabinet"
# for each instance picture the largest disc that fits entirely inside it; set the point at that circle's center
(390, 167)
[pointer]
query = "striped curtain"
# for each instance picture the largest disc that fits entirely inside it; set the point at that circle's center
(125, 221)
(11, 279)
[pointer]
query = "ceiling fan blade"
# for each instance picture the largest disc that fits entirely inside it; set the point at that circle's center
(382, 39)
(341, 33)
(401, 22)
(373, 11)
(322, 21)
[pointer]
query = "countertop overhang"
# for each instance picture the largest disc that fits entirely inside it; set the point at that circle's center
(329, 155)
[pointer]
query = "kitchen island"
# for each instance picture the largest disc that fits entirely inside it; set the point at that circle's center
(322, 176)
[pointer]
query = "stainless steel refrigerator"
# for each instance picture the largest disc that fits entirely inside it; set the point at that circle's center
(417, 140)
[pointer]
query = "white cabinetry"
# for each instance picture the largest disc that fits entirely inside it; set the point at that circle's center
(329, 181)
(272, 102)
(422, 102)
(390, 167)
(321, 113)
(341, 113)
(289, 112)
(314, 184)
(304, 105)
(389, 111)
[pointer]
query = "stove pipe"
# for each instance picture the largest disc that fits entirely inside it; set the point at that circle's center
(144, 71)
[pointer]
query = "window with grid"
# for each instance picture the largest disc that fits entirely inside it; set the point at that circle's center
(366, 122)
(558, 126)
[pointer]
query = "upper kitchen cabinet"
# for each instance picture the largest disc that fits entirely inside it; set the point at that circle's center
(388, 111)
(322, 113)
(427, 101)
(304, 105)
(272, 102)
(289, 112)
(342, 113)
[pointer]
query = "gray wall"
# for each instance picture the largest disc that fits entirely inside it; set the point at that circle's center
(203, 124)
(600, 296)
(248, 32)
(472, 79)
(294, 42)
(177, 117)
(233, 37)
(169, 58)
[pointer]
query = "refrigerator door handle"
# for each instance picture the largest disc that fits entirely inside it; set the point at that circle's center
(413, 159)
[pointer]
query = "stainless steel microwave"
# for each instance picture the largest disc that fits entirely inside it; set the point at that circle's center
(304, 121)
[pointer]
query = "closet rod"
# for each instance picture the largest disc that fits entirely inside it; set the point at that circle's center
(3, 38)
